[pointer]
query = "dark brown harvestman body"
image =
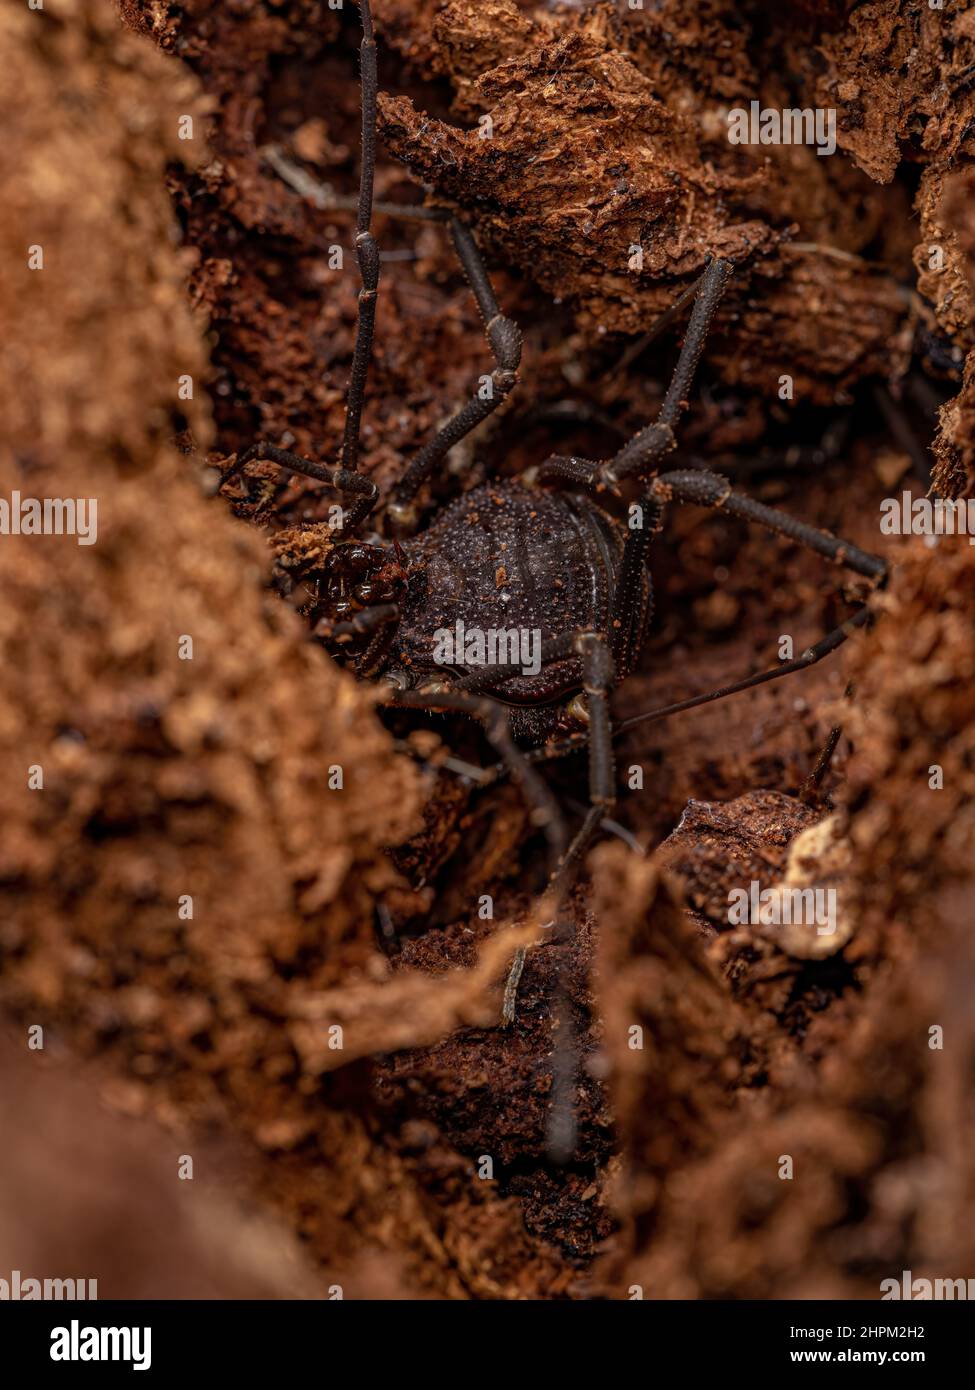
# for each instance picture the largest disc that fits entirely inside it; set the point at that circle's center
(544, 555)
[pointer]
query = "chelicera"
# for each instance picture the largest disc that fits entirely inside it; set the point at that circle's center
(549, 553)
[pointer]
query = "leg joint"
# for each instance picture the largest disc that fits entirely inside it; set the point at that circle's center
(367, 254)
(505, 381)
(504, 335)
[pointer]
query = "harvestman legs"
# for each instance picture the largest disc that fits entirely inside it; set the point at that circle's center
(638, 459)
(600, 653)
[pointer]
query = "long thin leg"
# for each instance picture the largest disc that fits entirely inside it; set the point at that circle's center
(493, 717)
(643, 452)
(504, 338)
(598, 670)
(659, 325)
(705, 489)
(597, 666)
(502, 333)
(597, 683)
(708, 489)
(366, 250)
(824, 647)
(343, 480)
(574, 743)
(347, 478)
(638, 457)
(631, 599)
(598, 674)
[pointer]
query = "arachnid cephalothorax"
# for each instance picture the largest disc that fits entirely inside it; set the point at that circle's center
(543, 556)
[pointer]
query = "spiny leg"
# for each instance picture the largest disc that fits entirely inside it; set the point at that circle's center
(704, 489)
(597, 667)
(629, 607)
(598, 673)
(344, 481)
(347, 478)
(372, 659)
(640, 455)
(597, 683)
(660, 324)
(709, 490)
(593, 652)
(574, 743)
(502, 333)
(504, 338)
(366, 250)
(646, 448)
(632, 597)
